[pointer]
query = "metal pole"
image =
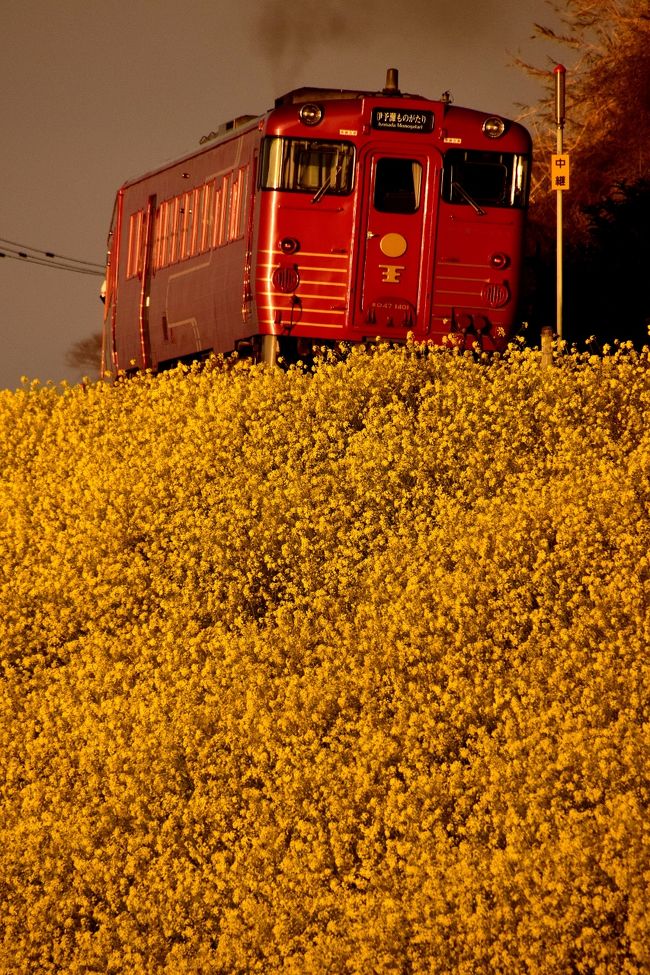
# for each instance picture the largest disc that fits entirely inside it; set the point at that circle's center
(547, 346)
(560, 74)
(269, 350)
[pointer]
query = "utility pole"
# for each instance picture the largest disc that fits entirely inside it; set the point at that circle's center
(560, 180)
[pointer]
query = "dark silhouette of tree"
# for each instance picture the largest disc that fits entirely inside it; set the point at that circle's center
(607, 134)
(607, 103)
(608, 293)
(86, 354)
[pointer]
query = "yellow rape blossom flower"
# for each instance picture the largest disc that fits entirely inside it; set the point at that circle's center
(341, 669)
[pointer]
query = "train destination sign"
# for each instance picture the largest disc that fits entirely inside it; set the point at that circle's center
(402, 119)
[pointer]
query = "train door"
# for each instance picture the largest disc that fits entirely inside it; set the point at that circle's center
(399, 211)
(130, 276)
(145, 290)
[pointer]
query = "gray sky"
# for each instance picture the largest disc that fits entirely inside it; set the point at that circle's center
(95, 93)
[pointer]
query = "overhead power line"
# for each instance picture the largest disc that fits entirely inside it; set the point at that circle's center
(14, 251)
(60, 257)
(26, 259)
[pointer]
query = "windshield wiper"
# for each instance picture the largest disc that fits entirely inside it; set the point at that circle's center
(322, 189)
(455, 185)
(327, 182)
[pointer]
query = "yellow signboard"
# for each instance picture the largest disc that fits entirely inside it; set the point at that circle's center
(560, 171)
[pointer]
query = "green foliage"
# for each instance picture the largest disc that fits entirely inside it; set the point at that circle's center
(337, 672)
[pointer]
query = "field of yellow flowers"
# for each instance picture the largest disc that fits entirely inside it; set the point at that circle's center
(342, 672)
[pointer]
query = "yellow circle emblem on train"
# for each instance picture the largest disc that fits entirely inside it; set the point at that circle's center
(393, 245)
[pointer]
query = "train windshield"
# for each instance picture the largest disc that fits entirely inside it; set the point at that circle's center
(485, 179)
(307, 166)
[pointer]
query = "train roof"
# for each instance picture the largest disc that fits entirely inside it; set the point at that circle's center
(299, 96)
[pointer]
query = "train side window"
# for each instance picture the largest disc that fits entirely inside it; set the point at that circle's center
(197, 219)
(137, 236)
(398, 184)
(222, 205)
(162, 234)
(165, 232)
(158, 231)
(243, 195)
(208, 215)
(236, 205)
(186, 219)
(173, 229)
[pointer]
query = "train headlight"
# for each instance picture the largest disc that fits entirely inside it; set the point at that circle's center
(494, 127)
(310, 114)
(499, 260)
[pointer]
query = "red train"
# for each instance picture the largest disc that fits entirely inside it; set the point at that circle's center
(336, 216)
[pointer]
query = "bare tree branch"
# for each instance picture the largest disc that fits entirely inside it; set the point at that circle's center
(86, 353)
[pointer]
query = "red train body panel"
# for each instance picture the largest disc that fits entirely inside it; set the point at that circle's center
(336, 216)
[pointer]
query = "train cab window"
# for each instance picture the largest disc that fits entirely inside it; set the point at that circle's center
(485, 179)
(137, 236)
(398, 184)
(307, 166)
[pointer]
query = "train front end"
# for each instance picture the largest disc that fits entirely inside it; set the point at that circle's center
(386, 214)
